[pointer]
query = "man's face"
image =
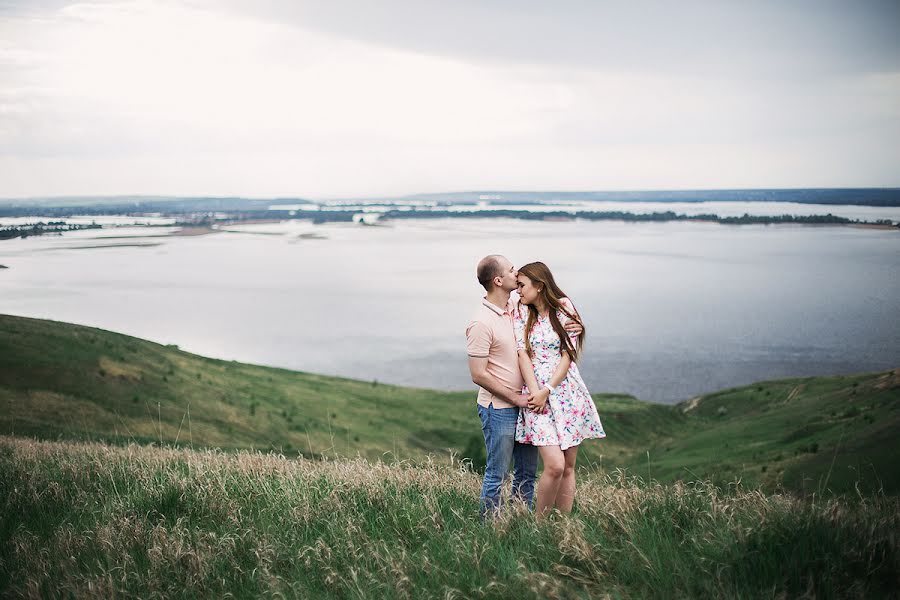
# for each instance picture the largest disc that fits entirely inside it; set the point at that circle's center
(508, 276)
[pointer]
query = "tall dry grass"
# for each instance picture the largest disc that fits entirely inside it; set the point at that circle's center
(88, 520)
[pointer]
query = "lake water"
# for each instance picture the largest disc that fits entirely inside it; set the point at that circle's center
(672, 309)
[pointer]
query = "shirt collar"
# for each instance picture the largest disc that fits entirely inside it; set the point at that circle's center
(499, 311)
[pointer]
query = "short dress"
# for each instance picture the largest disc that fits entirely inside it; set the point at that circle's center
(570, 415)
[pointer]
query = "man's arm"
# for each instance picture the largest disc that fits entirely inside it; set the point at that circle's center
(481, 378)
(571, 325)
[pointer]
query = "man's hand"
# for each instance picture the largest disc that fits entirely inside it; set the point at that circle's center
(538, 402)
(573, 326)
(523, 400)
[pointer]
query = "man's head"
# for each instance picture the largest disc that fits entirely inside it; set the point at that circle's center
(495, 271)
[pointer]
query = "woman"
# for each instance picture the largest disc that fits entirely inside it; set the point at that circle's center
(562, 413)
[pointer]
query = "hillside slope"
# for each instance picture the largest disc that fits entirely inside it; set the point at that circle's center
(807, 434)
(59, 380)
(68, 381)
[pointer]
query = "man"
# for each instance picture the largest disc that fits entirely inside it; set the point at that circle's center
(494, 365)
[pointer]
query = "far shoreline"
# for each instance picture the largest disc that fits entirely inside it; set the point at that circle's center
(189, 230)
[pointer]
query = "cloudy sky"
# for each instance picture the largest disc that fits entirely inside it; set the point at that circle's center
(388, 97)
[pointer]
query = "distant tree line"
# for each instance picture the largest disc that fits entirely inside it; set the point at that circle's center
(620, 216)
(141, 206)
(193, 219)
(348, 216)
(23, 231)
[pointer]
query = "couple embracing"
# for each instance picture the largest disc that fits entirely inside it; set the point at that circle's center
(531, 398)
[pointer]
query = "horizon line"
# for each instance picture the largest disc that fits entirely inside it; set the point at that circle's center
(438, 193)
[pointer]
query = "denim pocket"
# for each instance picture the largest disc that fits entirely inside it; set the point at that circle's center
(485, 416)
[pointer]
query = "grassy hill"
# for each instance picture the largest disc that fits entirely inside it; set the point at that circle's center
(62, 381)
(59, 380)
(86, 520)
(807, 434)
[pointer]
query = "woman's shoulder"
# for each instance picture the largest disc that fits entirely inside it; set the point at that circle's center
(566, 303)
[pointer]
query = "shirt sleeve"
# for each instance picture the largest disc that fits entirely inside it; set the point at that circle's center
(519, 327)
(478, 339)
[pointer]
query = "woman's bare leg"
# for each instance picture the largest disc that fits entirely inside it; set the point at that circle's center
(548, 487)
(566, 494)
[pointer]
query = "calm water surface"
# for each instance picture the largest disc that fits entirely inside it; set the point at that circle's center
(672, 309)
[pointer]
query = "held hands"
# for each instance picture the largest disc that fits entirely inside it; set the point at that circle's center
(538, 401)
(522, 400)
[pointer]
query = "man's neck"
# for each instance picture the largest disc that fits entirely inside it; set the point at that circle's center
(498, 297)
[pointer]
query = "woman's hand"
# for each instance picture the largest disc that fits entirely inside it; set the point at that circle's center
(538, 402)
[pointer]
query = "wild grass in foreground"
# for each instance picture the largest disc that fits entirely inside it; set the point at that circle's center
(89, 520)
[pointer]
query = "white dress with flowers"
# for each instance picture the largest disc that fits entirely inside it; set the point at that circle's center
(570, 416)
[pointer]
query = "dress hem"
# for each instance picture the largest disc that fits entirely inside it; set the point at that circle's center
(594, 437)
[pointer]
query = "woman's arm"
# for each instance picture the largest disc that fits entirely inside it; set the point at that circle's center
(539, 400)
(525, 366)
(527, 370)
(559, 374)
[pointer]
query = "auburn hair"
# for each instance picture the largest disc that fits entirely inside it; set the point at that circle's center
(552, 296)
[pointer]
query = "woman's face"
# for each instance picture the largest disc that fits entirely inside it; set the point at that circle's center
(528, 291)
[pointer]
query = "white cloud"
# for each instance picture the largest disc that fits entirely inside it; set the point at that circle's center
(184, 98)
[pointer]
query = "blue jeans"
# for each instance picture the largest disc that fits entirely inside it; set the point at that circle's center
(499, 428)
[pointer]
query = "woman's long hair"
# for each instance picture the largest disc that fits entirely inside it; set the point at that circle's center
(552, 296)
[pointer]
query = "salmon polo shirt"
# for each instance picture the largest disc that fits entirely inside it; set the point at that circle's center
(490, 335)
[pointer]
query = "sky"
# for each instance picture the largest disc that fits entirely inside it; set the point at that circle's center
(336, 99)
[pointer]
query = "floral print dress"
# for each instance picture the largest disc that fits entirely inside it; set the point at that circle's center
(570, 416)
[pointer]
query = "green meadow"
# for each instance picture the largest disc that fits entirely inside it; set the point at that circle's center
(132, 469)
(62, 381)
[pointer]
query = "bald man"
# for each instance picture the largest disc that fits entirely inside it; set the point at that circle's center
(494, 366)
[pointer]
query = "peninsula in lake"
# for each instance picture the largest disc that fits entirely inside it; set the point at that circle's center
(878, 207)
